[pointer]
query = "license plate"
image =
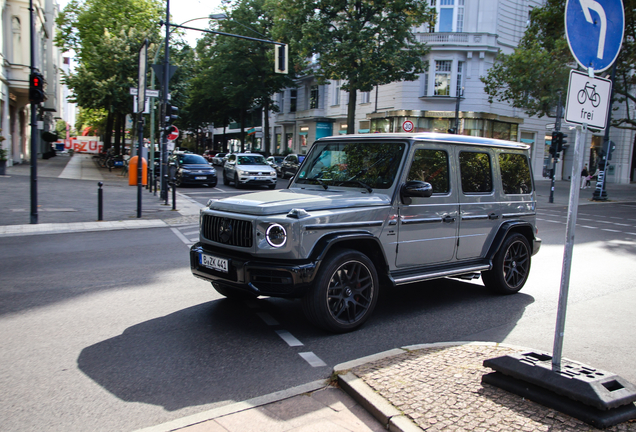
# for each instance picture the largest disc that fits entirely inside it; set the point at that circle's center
(200, 178)
(212, 262)
(260, 178)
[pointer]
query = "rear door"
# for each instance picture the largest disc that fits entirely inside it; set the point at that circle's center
(479, 209)
(427, 227)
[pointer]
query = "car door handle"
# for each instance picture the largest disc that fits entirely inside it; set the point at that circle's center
(492, 216)
(448, 219)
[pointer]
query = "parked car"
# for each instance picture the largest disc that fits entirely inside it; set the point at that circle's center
(367, 209)
(219, 159)
(244, 169)
(275, 162)
(190, 168)
(208, 155)
(290, 165)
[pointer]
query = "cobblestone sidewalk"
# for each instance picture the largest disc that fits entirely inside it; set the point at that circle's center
(440, 389)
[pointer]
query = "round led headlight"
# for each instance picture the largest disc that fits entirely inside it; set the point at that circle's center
(276, 235)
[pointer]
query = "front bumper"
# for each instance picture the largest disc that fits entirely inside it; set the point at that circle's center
(536, 245)
(199, 179)
(260, 277)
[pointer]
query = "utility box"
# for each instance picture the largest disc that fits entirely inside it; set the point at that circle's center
(132, 171)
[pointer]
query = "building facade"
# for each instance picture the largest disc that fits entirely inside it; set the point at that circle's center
(464, 43)
(15, 52)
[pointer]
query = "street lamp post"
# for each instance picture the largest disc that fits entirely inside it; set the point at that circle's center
(34, 143)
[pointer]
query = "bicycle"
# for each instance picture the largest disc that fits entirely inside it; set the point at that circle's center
(584, 94)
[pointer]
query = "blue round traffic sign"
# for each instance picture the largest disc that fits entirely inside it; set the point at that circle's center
(594, 29)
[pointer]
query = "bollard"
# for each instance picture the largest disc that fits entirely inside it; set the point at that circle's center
(165, 193)
(100, 202)
(174, 195)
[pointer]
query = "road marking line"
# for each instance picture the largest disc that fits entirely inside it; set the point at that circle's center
(194, 240)
(312, 359)
(183, 238)
(269, 320)
(586, 226)
(610, 230)
(622, 224)
(289, 338)
(634, 234)
(191, 232)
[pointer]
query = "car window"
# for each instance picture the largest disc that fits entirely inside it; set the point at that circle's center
(352, 164)
(251, 160)
(192, 159)
(301, 159)
(476, 172)
(431, 166)
(515, 174)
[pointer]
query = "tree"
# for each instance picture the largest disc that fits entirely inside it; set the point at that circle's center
(539, 67)
(105, 36)
(366, 43)
(236, 76)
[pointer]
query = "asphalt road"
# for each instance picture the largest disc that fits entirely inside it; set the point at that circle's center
(110, 331)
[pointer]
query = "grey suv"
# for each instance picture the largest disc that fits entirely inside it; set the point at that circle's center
(371, 210)
(248, 169)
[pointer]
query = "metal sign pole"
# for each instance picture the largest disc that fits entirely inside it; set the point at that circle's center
(569, 245)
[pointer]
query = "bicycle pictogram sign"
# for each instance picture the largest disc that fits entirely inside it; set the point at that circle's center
(588, 100)
(589, 92)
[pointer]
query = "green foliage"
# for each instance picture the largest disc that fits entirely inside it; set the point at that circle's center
(363, 42)
(233, 75)
(93, 118)
(532, 75)
(106, 36)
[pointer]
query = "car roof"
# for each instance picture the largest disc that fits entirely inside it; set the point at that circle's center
(432, 137)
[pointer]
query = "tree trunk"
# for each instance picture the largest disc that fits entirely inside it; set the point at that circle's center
(117, 133)
(266, 126)
(242, 131)
(108, 133)
(351, 111)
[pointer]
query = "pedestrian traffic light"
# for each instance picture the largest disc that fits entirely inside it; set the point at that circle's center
(280, 58)
(171, 114)
(37, 87)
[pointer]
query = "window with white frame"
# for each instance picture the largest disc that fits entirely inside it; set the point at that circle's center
(365, 97)
(460, 79)
(281, 102)
(443, 70)
(336, 93)
(313, 97)
(424, 84)
(450, 15)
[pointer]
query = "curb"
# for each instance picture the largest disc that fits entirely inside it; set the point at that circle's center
(377, 405)
(236, 407)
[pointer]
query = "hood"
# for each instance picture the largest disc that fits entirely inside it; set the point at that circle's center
(196, 166)
(283, 200)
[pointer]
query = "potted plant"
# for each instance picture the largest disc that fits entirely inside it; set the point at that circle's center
(3, 157)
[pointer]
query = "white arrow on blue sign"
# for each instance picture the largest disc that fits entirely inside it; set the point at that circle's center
(594, 29)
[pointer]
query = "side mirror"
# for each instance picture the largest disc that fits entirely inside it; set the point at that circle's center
(415, 188)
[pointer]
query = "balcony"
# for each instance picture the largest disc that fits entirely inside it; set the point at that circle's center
(465, 40)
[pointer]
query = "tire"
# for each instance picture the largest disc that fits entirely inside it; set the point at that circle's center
(344, 293)
(226, 181)
(232, 293)
(237, 183)
(272, 186)
(510, 267)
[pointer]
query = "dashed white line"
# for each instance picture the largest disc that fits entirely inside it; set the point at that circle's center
(312, 359)
(267, 318)
(289, 339)
(586, 226)
(191, 232)
(610, 230)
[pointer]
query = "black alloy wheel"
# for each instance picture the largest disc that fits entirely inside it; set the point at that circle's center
(345, 292)
(511, 266)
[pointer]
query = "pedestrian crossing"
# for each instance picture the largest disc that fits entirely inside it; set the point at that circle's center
(188, 234)
(588, 221)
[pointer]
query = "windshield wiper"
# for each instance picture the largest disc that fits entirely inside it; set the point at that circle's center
(359, 183)
(320, 182)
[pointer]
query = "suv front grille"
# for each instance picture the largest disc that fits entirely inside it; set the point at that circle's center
(227, 231)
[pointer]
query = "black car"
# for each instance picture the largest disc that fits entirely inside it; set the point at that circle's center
(191, 168)
(290, 165)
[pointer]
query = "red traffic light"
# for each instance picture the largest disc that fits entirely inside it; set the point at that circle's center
(36, 88)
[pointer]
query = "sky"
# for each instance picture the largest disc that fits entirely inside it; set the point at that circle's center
(183, 10)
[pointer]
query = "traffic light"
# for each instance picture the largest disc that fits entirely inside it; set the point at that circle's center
(280, 58)
(553, 143)
(561, 142)
(37, 87)
(171, 114)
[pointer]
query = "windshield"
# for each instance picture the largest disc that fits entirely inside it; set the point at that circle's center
(192, 159)
(354, 164)
(251, 160)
